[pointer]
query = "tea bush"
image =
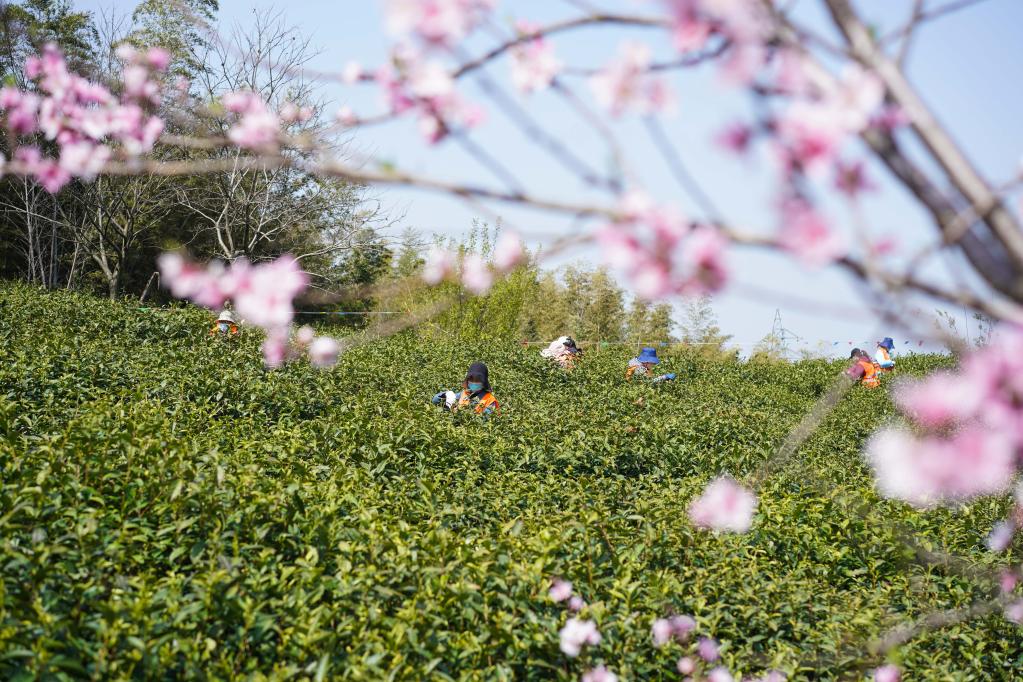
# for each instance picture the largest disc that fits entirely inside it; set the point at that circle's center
(169, 508)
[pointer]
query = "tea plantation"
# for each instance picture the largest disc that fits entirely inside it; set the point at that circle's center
(171, 509)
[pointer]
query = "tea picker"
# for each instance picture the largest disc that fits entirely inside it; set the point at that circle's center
(563, 350)
(643, 366)
(863, 369)
(474, 395)
(883, 356)
(225, 324)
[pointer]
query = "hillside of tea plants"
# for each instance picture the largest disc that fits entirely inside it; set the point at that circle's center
(171, 509)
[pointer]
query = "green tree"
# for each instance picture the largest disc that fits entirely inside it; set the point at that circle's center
(700, 326)
(638, 319)
(409, 258)
(604, 316)
(660, 323)
(180, 27)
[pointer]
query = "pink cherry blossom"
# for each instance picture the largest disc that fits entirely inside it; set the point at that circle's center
(258, 128)
(856, 98)
(724, 505)
(263, 293)
(429, 80)
(720, 674)
(305, 335)
(323, 352)
(476, 274)
(576, 634)
(625, 83)
(682, 626)
(686, 665)
(805, 233)
(740, 65)
(84, 159)
(275, 349)
(352, 73)
(137, 84)
(1001, 536)
(440, 264)
(576, 603)
(293, 113)
(887, 673)
(508, 252)
(810, 135)
(533, 64)
(888, 119)
(939, 400)
(22, 109)
(599, 674)
(932, 469)
(661, 632)
(1014, 612)
(690, 28)
(436, 22)
(158, 58)
(51, 175)
(345, 116)
(735, 138)
(560, 590)
(851, 179)
(772, 676)
(187, 280)
(1007, 581)
(704, 257)
(659, 253)
(707, 648)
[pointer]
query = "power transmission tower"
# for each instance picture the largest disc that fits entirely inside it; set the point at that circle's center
(783, 335)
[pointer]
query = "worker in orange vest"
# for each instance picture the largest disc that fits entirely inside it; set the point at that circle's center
(225, 325)
(883, 357)
(475, 394)
(863, 369)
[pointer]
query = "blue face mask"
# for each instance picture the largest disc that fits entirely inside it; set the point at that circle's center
(223, 326)
(475, 386)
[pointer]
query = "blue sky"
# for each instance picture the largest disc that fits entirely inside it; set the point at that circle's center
(958, 63)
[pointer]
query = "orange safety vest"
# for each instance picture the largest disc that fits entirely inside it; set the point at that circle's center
(887, 358)
(485, 401)
(870, 377)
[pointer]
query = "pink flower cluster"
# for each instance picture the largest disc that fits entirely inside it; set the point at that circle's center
(742, 22)
(561, 590)
(576, 634)
(724, 505)
(442, 23)
(258, 128)
(625, 84)
(533, 64)
(262, 294)
(676, 627)
(970, 429)
(887, 673)
(82, 117)
(477, 275)
(660, 253)
(805, 233)
(599, 674)
(413, 83)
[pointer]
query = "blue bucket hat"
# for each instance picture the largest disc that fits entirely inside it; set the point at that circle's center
(649, 354)
(887, 343)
